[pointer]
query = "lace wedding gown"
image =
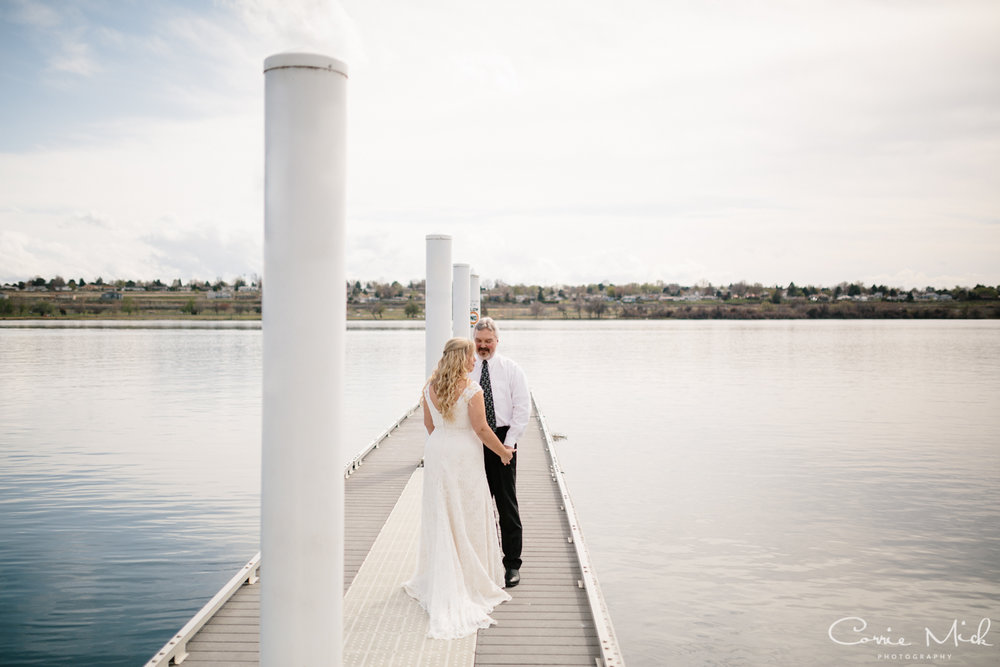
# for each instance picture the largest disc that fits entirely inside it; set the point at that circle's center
(459, 575)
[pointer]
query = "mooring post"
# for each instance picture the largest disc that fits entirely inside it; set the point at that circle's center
(302, 480)
(437, 299)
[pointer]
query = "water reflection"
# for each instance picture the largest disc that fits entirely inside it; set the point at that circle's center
(741, 485)
(130, 475)
(769, 478)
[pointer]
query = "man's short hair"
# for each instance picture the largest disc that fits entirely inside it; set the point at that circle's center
(488, 323)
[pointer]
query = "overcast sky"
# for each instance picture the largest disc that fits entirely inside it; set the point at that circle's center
(557, 142)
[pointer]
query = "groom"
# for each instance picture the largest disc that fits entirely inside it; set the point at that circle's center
(508, 407)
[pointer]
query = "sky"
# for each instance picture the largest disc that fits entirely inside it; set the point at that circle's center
(683, 141)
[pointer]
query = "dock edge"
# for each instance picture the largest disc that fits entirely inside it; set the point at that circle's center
(359, 458)
(176, 647)
(610, 651)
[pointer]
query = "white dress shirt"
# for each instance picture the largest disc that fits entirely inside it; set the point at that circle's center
(511, 398)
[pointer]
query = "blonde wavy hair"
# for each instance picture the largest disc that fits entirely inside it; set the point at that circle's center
(450, 374)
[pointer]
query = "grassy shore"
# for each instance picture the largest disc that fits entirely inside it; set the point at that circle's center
(744, 310)
(204, 306)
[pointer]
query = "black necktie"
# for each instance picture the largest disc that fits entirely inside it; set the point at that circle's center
(484, 382)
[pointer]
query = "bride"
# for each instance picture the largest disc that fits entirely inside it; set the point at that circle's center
(459, 574)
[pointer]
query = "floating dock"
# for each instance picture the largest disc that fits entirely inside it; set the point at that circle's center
(557, 615)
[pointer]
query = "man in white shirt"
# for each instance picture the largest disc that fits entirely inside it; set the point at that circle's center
(508, 408)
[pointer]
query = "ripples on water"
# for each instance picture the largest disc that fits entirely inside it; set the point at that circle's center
(758, 481)
(130, 475)
(741, 485)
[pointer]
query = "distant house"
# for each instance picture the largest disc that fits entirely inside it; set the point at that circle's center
(111, 296)
(933, 296)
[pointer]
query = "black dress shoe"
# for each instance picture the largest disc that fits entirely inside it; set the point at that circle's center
(512, 578)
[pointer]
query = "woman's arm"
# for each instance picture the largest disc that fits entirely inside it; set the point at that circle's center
(428, 420)
(477, 415)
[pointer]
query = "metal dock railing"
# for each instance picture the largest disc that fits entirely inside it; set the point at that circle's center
(557, 615)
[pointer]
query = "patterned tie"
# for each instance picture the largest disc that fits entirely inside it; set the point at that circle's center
(484, 382)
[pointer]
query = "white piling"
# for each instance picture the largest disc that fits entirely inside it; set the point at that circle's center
(437, 299)
(302, 481)
(475, 301)
(460, 301)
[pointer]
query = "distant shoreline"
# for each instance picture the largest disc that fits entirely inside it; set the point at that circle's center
(797, 310)
(376, 301)
(153, 310)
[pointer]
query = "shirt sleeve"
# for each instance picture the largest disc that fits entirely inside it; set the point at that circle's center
(521, 400)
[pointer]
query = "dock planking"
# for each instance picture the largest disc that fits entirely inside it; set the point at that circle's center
(549, 621)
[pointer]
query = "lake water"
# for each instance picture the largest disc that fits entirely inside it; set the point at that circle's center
(742, 486)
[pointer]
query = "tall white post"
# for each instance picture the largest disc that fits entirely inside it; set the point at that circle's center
(475, 300)
(460, 301)
(302, 474)
(437, 297)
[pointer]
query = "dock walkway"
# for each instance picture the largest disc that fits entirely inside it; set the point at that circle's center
(556, 617)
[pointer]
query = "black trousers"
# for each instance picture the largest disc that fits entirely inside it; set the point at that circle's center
(503, 485)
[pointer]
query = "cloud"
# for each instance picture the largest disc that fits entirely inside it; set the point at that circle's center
(182, 176)
(492, 72)
(74, 57)
(204, 253)
(34, 14)
(772, 142)
(300, 25)
(87, 246)
(18, 262)
(61, 35)
(71, 253)
(87, 218)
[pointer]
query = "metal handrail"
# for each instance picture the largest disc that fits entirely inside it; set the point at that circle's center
(176, 648)
(358, 459)
(610, 652)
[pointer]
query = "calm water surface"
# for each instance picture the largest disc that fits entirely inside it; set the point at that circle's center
(742, 485)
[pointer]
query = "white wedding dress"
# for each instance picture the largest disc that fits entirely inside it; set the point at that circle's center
(459, 574)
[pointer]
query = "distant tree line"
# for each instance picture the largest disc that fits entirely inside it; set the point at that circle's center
(58, 283)
(498, 291)
(501, 292)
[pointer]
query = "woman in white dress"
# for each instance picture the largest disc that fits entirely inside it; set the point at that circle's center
(459, 574)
